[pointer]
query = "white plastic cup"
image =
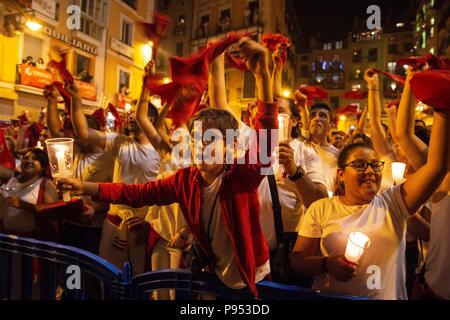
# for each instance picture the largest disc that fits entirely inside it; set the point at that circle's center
(356, 243)
(283, 127)
(60, 155)
(398, 171)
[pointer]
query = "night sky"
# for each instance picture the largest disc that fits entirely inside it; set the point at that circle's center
(334, 19)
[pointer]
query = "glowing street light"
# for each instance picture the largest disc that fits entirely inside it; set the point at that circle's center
(286, 93)
(33, 25)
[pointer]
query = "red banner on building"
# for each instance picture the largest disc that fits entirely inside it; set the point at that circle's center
(87, 90)
(35, 77)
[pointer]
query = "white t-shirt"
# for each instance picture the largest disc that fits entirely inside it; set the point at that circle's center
(225, 261)
(166, 220)
(18, 220)
(387, 180)
(384, 221)
(437, 274)
(329, 156)
(93, 167)
(134, 163)
(292, 207)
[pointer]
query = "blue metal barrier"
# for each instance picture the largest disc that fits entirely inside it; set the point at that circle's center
(53, 259)
(116, 284)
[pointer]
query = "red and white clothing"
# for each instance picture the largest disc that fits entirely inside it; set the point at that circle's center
(383, 220)
(134, 163)
(292, 207)
(237, 200)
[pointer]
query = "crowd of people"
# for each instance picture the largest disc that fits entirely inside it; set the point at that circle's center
(233, 212)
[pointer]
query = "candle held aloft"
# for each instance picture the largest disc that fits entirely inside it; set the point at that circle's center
(283, 127)
(356, 243)
(398, 171)
(60, 154)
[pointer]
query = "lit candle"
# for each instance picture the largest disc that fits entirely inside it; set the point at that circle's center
(330, 194)
(283, 126)
(356, 244)
(39, 145)
(398, 170)
(60, 153)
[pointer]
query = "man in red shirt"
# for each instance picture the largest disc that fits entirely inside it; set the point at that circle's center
(219, 201)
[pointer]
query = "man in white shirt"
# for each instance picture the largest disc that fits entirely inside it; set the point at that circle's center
(300, 181)
(125, 231)
(320, 119)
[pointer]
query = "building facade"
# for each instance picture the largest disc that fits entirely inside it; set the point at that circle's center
(198, 21)
(432, 27)
(103, 51)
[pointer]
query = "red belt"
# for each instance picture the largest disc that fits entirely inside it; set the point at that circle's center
(115, 220)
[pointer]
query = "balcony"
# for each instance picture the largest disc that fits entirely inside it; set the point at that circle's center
(33, 79)
(329, 80)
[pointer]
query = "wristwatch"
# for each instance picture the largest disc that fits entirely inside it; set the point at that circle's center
(298, 174)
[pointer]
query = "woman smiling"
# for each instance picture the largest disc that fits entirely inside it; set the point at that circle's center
(380, 272)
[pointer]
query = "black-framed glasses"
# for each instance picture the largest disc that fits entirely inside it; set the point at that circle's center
(361, 165)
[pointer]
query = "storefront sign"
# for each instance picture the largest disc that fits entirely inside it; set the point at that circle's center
(35, 77)
(122, 48)
(45, 7)
(87, 90)
(39, 78)
(71, 41)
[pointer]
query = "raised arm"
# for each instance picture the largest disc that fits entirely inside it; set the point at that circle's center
(301, 102)
(360, 127)
(277, 74)
(216, 84)
(142, 116)
(414, 148)
(53, 122)
(419, 187)
(80, 125)
(391, 113)
(378, 136)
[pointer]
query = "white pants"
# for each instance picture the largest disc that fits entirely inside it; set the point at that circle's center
(133, 253)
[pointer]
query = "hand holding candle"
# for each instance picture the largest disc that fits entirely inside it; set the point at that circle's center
(283, 127)
(398, 170)
(60, 154)
(357, 242)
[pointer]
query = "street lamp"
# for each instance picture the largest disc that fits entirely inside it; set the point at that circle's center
(286, 93)
(33, 25)
(148, 51)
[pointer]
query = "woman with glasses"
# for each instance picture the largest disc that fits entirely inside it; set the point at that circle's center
(380, 272)
(22, 194)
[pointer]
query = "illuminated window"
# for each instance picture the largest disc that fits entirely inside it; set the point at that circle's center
(356, 87)
(432, 21)
(339, 44)
(432, 50)
(424, 39)
(432, 32)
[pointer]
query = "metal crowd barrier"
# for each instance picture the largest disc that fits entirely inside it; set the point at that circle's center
(52, 261)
